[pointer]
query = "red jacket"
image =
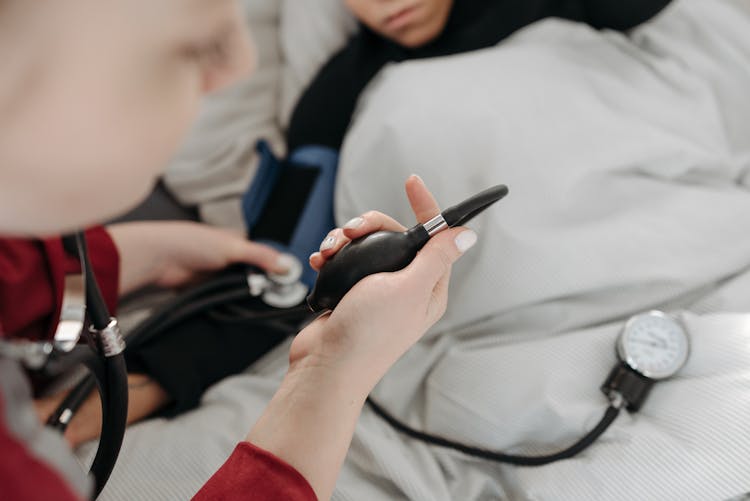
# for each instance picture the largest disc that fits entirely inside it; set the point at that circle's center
(31, 286)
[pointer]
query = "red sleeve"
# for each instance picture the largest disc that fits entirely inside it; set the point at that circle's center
(251, 473)
(23, 476)
(31, 288)
(31, 281)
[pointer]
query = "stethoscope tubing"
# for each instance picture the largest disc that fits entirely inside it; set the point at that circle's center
(109, 375)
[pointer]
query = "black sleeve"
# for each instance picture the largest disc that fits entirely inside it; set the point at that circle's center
(197, 353)
(621, 15)
(322, 114)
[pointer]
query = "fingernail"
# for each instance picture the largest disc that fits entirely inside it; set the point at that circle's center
(418, 178)
(353, 223)
(465, 240)
(284, 263)
(328, 243)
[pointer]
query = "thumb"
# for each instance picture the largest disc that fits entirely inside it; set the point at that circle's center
(436, 258)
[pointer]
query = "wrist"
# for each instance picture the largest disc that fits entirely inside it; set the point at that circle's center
(310, 420)
(323, 349)
(316, 372)
(141, 257)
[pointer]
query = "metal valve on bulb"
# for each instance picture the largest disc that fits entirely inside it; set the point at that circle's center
(389, 251)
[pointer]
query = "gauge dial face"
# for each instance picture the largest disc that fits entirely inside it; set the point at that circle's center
(654, 345)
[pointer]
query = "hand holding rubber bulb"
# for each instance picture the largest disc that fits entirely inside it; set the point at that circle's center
(384, 314)
(388, 251)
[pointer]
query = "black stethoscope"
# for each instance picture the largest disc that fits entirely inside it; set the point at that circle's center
(83, 305)
(103, 351)
(104, 355)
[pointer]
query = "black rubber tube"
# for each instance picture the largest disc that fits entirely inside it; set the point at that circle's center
(59, 419)
(233, 281)
(468, 209)
(111, 377)
(112, 383)
(96, 307)
(500, 457)
(170, 315)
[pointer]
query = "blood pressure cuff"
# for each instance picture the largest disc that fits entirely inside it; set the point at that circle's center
(199, 352)
(289, 204)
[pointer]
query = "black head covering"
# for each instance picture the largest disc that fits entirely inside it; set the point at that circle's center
(324, 111)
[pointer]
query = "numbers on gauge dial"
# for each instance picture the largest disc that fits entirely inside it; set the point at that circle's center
(655, 345)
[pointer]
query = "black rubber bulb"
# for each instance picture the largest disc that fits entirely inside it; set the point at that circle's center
(388, 251)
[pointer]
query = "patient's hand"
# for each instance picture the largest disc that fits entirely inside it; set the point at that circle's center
(145, 397)
(172, 253)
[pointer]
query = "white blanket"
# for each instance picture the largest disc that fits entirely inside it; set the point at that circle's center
(628, 160)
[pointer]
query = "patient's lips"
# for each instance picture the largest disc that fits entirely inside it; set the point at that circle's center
(402, 18)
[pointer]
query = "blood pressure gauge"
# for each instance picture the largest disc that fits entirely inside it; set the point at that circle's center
(654, 345)
(651, 347)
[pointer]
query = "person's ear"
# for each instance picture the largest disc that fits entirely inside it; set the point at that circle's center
(228, 63)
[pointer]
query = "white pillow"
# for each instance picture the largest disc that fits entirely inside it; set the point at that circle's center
(217, 161)
(310, 33)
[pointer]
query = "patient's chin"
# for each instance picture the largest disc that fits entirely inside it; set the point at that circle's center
(418, 36)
